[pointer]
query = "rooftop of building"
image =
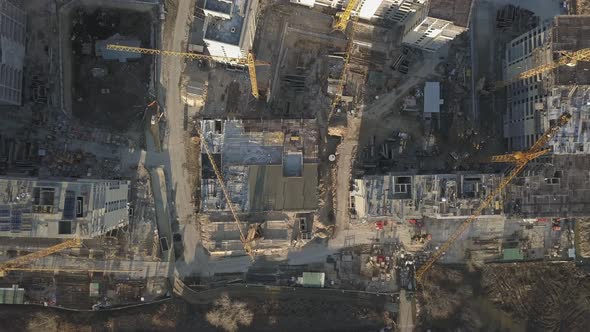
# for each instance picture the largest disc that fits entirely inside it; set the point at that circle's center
(227, 30)
(431, 195)
(268, 165)
(456, 11)
(552, 186)
(48, 208)
(432, 99)
(219, 6)
(574, 136)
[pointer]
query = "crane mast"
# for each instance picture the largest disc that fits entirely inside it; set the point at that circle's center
(342, 20)
(246, 240)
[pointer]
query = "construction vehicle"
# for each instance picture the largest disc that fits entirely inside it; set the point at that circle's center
(569, 59)
(520, 160)
(19, 262)
(342, 18)
(249, 61)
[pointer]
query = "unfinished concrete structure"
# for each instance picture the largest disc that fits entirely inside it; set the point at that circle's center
(406, 196)
(230, 27)
(12, 45)
(553, 186)
(389, 10)
(533, 103)
(224, 237)
(62, 209)
(434, 25)
(268, 165)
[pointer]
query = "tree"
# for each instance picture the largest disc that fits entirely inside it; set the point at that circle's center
(228, 315)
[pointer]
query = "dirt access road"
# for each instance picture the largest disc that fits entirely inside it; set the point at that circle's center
(175, 36)
(369, 118)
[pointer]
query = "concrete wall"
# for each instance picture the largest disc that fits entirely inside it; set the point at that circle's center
(430, 34)
(522, 123)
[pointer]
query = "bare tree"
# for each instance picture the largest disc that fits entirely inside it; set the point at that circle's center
(43, 321)
(228, 314)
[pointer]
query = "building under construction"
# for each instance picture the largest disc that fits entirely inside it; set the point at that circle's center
(415, 196)
(268, 165)
(554, 186)
(534, 102)
(83, 209)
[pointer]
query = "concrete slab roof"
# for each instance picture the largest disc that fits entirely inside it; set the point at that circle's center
(269, 190)
(224, 30)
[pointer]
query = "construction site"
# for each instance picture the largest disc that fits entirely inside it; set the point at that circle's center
(399, 165)
(108, 89)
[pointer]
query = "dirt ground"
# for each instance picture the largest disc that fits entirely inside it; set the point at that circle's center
(583, 237)
(548, 297)
(118, 98)
(582, 7)
(515, 297)
(176, 315)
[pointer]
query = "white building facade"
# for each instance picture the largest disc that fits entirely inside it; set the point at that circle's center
(535, 102)
(12, 48)
(81, 208)
(372, 10)
(434, 25)
(230, 27)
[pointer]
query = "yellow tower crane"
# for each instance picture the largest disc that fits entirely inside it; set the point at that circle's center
(342, 20)
(569, 59)
(17, 263)
(248, 238)
(249, 61)
(520, 160)
(340, 23)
